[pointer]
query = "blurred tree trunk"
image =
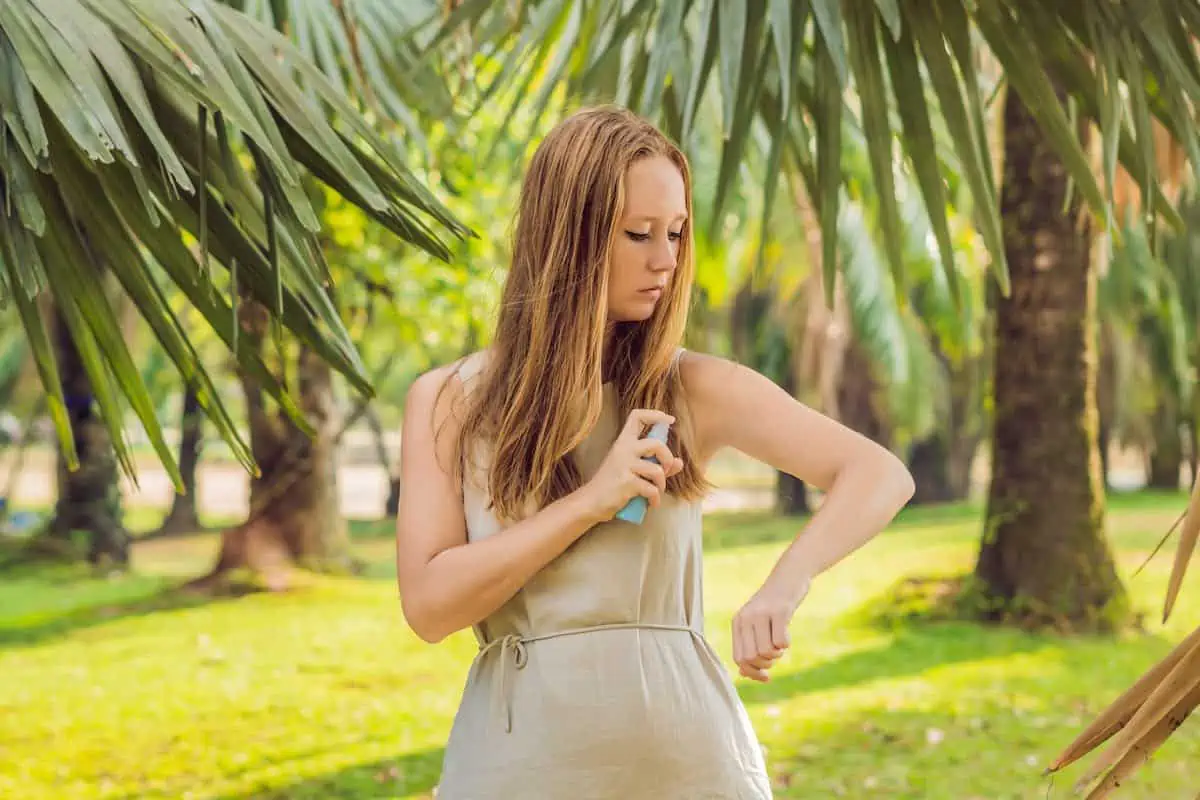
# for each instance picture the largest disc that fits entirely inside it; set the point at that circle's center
(749, 322)
(941, 463)
(1106, 396)
(858, 398)
(89, 499)
(182, 518)
(1044, 557)
(929, 463)
(1166, 455)
(1193, 448)
(294, 518)
(391, 506)
(791, 494)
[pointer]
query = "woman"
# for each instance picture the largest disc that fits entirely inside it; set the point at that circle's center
(594, 679)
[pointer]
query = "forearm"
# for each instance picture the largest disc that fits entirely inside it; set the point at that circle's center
(462, 585)
(860, 503)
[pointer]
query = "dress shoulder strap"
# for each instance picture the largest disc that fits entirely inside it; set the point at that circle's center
(469, 369)
(679, 351)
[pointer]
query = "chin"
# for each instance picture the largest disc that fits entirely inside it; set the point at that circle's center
(631, 314)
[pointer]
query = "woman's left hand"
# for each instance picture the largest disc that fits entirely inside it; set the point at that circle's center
(760, 628)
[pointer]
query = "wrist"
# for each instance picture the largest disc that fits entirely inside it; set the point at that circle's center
(791, 579)
(584, 506)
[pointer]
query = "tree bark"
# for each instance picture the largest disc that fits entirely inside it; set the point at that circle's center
(1106, 396)
(89, 498)
(858, 398)
(929, 463)
(182, 518)
(791, 495)
(748, 321)
(941, 463)
(1044, 558)
(1166, 455)
(391, 506)
(294, 518)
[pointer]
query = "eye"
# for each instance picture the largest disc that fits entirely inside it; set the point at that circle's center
(638, 237)
(675, 236)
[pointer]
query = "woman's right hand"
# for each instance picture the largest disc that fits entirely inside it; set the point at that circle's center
(625, 474)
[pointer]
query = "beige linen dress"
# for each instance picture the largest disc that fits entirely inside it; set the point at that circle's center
(595, 681)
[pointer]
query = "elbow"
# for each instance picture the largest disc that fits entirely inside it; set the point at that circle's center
(422, 621)
(899, 481)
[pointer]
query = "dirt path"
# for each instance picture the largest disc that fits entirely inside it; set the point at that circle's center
(363, 487)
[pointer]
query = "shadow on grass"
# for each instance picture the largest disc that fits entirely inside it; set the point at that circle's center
(725, 530)
(963, 745)
(910, 652)
(400, 776)
(38, 625)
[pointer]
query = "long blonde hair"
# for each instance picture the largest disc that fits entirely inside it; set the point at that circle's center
(541, 391)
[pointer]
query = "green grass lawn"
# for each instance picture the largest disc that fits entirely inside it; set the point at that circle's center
(111, 688)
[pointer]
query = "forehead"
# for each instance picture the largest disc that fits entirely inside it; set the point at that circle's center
(654, 188)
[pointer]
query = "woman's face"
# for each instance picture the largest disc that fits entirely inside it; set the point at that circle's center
(648, 234)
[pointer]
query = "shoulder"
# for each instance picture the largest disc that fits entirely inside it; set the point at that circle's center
(711, 381)
(721, 394)
(435, 394)
(454, 379)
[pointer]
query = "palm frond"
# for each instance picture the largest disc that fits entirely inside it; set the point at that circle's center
(126, 125)
(1128, 64)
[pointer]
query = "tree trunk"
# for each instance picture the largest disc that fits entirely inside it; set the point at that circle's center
(182, 518)
(1193, 449)
(1166, 456)
(1106, 396)
(929, 463)
(89, 498)
(858, 398)
(1044, 558)
(749, 321)
(294, 517)
(941, 463)
(391, 506)
(791, 495)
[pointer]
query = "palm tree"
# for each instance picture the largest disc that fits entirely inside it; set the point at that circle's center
(779, 66)
(174, 123)
(1152, 336)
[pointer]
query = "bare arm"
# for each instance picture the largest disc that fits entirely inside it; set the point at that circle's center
(864, 483)
(446, 583)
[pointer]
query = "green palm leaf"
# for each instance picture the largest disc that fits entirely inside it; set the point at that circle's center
(126, 125)
(1126, 65)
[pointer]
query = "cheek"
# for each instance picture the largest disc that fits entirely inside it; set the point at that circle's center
(622, 265)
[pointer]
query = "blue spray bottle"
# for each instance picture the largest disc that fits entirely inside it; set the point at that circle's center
(635, 510)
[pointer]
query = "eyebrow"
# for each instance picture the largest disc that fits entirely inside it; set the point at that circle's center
(682, 217)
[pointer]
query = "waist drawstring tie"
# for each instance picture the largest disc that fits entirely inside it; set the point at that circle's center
(513, 655)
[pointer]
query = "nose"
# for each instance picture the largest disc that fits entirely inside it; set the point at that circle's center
(663, 258)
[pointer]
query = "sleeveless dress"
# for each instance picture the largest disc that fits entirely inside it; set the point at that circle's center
(595, 681)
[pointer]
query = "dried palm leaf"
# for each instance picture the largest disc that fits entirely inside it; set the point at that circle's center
(1168, 699)
(1121, 710)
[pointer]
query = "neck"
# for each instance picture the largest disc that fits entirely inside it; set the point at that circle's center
(606, 369)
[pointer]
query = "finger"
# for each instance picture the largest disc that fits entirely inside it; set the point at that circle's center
(754, 674)
(737, 643)
(649, 490)
(762, 636)
(653, 473)
(764, 661)
(781, 637)
(653, 447)
(749, 649)
(640, 418)
(676, 467)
